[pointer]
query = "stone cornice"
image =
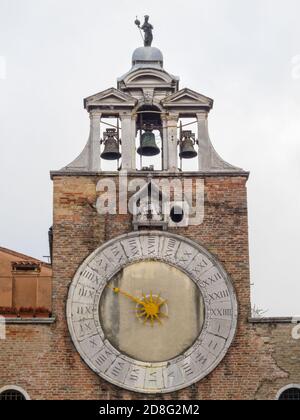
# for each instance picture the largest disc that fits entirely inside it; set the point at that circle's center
(30, 321)
(274, 320)
(156, 174)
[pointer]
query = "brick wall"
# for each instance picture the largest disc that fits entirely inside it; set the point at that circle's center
(42, 358)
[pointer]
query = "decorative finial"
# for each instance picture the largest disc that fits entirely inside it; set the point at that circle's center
(147, 28)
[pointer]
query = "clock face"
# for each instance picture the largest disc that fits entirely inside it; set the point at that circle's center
(164, 329)
(152, 312)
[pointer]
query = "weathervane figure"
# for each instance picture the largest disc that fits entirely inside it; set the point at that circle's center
(147, 28)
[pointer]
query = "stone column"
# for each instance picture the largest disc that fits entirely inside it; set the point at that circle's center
(172, 121)
(205, 146)
(165, 159)
(128, 122)
(133, 145)
(94, 144)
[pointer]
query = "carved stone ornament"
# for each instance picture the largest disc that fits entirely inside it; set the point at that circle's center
(204, 271)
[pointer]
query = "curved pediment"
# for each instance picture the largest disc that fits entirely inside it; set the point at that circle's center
(149, 78)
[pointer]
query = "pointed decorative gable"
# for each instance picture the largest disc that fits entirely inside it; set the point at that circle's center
(187, 98)
(109, 98)
(149, 202)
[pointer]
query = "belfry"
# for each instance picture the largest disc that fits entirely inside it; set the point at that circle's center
(149, 108)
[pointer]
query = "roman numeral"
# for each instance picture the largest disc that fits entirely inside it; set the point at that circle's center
(103, 357)
(200, 358)
(211, 280)
(187, 369)
(93, 343)
(216, 277)
(134, 375)
(153, 377)
(151, 246)
(117, 254)
(133, 247)
(85, 326)
(219, 295)
(200, 267)
(84, 310)
(84, 292)
(117, 369)
(170, 248)
(103, 264)
(213, 345)
(90, 276)
(221, 312)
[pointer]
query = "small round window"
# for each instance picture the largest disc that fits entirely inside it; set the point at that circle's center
(177, 214)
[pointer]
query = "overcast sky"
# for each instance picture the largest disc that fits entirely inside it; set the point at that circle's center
(244, 54)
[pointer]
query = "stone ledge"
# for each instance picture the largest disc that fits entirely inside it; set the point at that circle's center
(154, 174)
(33, 321)
(275, 320)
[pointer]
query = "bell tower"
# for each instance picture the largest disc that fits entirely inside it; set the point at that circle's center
(152, 117)
(126, 241)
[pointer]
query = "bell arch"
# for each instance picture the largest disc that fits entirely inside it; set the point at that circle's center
(149, 136)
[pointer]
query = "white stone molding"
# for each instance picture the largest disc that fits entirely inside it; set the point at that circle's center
(150, 78)
(15, 388)
(286, 388)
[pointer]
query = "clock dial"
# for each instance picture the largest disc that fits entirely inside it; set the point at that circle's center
(151, 311)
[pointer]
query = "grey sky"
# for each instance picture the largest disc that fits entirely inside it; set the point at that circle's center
(245, 55)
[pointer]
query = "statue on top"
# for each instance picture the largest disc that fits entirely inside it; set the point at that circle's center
(147, 28)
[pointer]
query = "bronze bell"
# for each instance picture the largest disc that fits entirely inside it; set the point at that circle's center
(187, 149)
(148, 145)
(111, 145)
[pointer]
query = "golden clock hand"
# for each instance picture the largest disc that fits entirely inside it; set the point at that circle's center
(128, 295)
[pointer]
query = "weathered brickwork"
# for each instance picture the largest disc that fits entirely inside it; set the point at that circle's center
(276, 340)
(42, 358)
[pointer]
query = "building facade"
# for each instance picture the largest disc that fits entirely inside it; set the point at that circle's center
(25, 284)
(151, 282)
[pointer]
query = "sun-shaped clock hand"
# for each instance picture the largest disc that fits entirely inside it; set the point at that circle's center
(148, 308)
